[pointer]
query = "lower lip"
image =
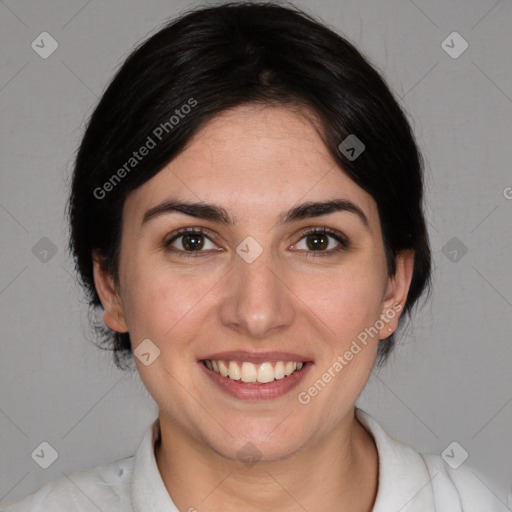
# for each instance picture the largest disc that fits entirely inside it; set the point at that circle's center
(249, 391)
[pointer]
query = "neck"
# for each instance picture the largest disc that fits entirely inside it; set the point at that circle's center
(339, 472)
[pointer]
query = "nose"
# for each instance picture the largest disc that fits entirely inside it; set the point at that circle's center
(257, 301)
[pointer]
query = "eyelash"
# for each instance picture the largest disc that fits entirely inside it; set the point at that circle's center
(339, 237)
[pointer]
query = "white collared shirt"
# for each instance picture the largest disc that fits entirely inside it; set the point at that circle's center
(408, 482)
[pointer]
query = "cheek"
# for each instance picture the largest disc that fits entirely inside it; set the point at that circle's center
(347, 299)
(159, 303)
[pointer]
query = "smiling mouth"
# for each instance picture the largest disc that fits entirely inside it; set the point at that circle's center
(251, 373)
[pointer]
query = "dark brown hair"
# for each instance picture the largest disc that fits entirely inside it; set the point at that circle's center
(215, 58)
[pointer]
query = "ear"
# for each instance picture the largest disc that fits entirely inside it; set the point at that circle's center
(396, 293)
(111, 301)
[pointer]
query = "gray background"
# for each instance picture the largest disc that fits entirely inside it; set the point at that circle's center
(449, 380)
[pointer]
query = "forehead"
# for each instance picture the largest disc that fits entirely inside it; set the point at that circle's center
(251, 159)
(253, 144)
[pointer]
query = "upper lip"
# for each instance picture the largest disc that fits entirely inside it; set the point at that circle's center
(255, 357)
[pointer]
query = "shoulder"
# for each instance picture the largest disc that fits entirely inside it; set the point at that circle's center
(465, 483)
(105, 487)
(412, 481)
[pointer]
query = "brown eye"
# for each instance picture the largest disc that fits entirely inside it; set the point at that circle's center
(317, 242)
(322, 241)
(191, 241)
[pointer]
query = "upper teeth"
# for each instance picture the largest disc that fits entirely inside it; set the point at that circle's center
(249, 372)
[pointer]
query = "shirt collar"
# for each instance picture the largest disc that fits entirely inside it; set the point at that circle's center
(149, 493)
(404, 480)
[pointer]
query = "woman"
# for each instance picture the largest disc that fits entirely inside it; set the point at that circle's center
(246, 208)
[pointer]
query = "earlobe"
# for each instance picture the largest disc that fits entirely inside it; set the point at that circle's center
(396, 293)
(113, 315)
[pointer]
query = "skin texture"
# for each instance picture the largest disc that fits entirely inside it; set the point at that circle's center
(256, 162)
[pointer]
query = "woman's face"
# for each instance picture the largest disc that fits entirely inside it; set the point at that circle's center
(256, 286)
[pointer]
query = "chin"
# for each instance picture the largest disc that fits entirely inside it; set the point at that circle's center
(263, 445)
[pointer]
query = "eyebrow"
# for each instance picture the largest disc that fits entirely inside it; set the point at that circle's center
(218, 214)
